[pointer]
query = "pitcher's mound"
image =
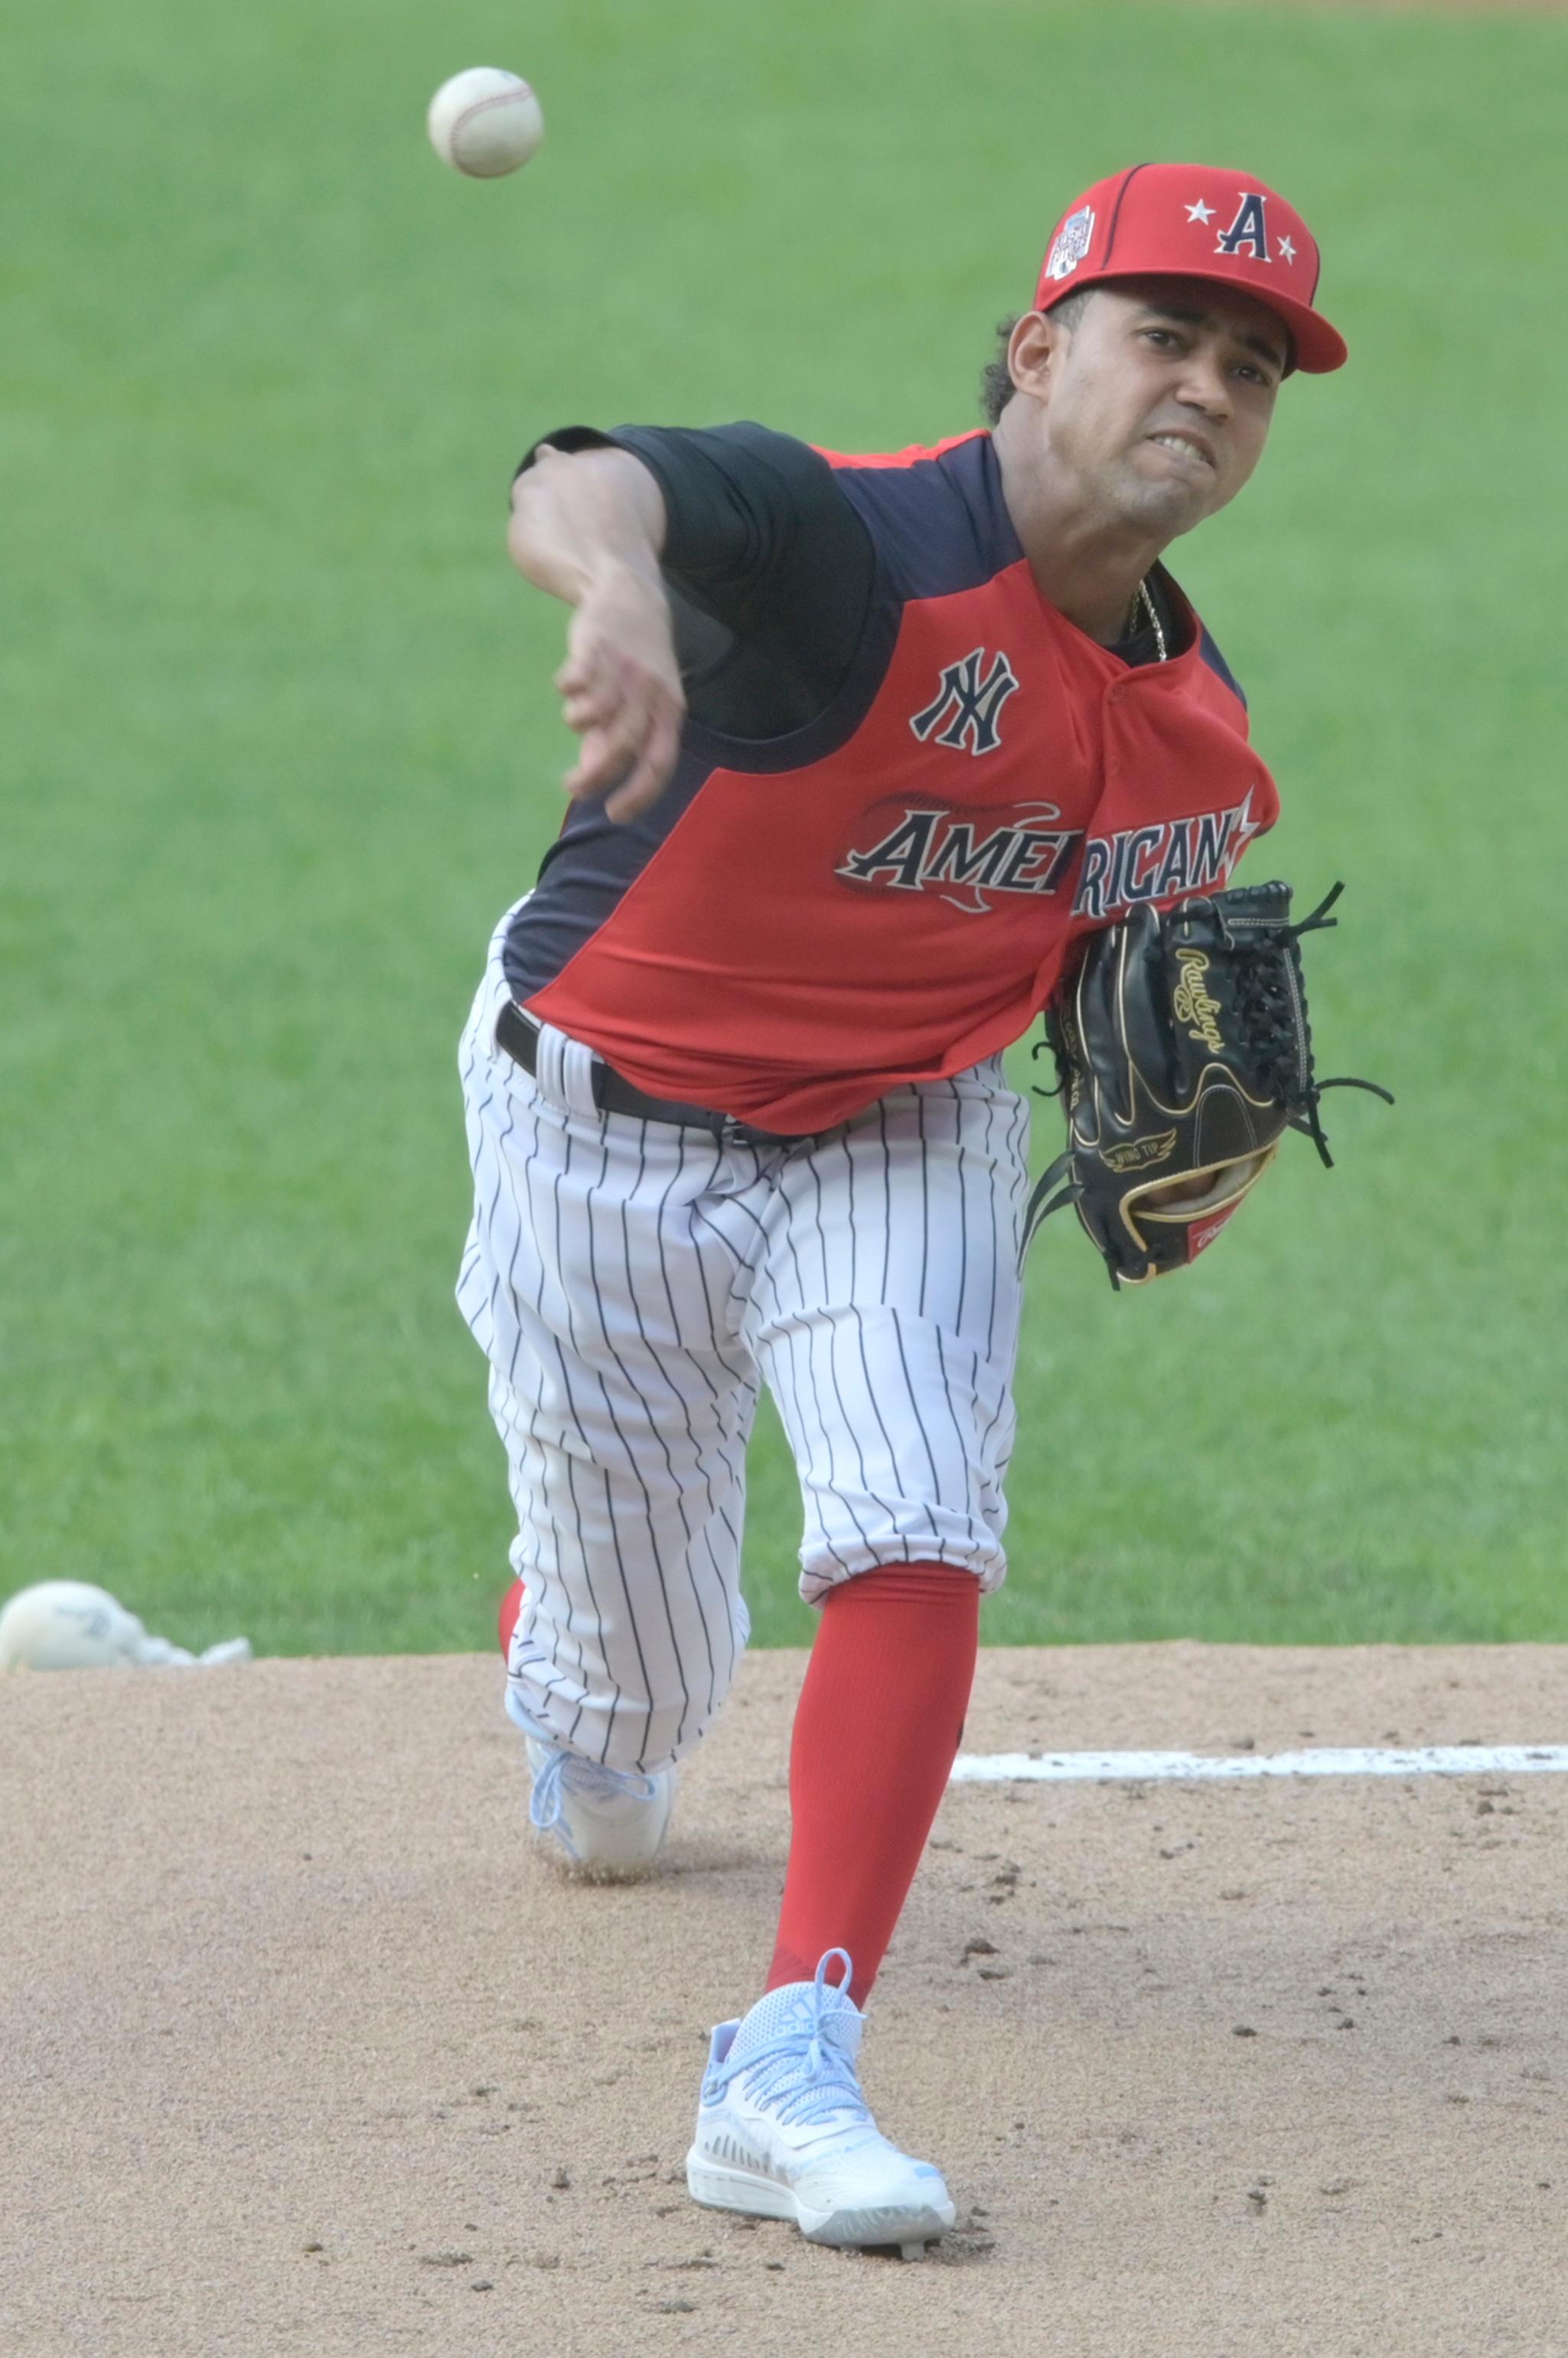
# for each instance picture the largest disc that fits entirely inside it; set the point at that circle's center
(305, 2050)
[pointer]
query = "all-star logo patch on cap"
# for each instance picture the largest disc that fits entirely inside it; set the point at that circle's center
(1194, 220)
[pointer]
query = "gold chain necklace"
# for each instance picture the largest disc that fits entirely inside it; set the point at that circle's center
(1144, 600)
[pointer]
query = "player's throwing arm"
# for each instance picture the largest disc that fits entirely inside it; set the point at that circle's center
(589, 529)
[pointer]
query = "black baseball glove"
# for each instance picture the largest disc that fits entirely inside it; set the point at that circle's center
(1183, 1055)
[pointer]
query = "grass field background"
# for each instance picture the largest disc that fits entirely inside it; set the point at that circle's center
(277, 748)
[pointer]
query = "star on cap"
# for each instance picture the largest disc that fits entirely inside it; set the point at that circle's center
(1200, 211)
(1287, 249)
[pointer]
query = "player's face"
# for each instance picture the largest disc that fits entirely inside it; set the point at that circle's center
(1159, 398)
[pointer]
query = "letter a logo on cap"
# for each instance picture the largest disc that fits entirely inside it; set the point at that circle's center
(1249, 228)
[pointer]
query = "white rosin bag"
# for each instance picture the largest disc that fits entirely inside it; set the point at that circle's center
(69, 1625)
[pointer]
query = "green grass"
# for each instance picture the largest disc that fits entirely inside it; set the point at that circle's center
(277, 748)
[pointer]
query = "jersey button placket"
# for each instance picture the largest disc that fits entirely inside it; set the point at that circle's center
(1115, 697)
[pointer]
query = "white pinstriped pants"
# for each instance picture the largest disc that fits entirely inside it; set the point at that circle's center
(633, 1282)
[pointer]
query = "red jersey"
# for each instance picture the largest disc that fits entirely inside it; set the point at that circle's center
(886, 890)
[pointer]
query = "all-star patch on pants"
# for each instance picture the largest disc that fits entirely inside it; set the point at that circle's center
(633, 1283)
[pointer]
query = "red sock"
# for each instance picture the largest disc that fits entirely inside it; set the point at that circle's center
(875, 1733)
(506, 1621)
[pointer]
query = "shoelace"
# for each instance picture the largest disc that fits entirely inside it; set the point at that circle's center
(802, 2076)
(569, 1769)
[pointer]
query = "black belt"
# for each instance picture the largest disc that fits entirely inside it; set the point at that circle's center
(612, 1094)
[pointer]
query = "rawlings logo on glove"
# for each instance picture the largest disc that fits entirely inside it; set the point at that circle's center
(1183, 1055)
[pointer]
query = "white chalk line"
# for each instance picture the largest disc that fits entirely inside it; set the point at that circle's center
(1198, 1767)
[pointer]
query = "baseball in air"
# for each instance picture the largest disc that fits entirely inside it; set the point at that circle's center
(485, 122)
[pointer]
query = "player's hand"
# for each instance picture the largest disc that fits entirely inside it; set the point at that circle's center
(621, 690)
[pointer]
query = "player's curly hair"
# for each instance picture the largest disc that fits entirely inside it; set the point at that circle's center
(996, 377)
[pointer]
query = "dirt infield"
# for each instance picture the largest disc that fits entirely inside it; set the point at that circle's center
(305, 2051)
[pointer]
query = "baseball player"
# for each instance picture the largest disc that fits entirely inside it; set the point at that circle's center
(867, 746)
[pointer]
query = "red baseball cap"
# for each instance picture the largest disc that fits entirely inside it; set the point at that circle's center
(1194, 220)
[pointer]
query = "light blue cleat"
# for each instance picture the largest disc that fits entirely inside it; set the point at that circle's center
(783, 2131)
(605, 1823)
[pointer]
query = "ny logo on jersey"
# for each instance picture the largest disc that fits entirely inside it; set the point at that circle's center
(1250, 228)
(965, 708)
